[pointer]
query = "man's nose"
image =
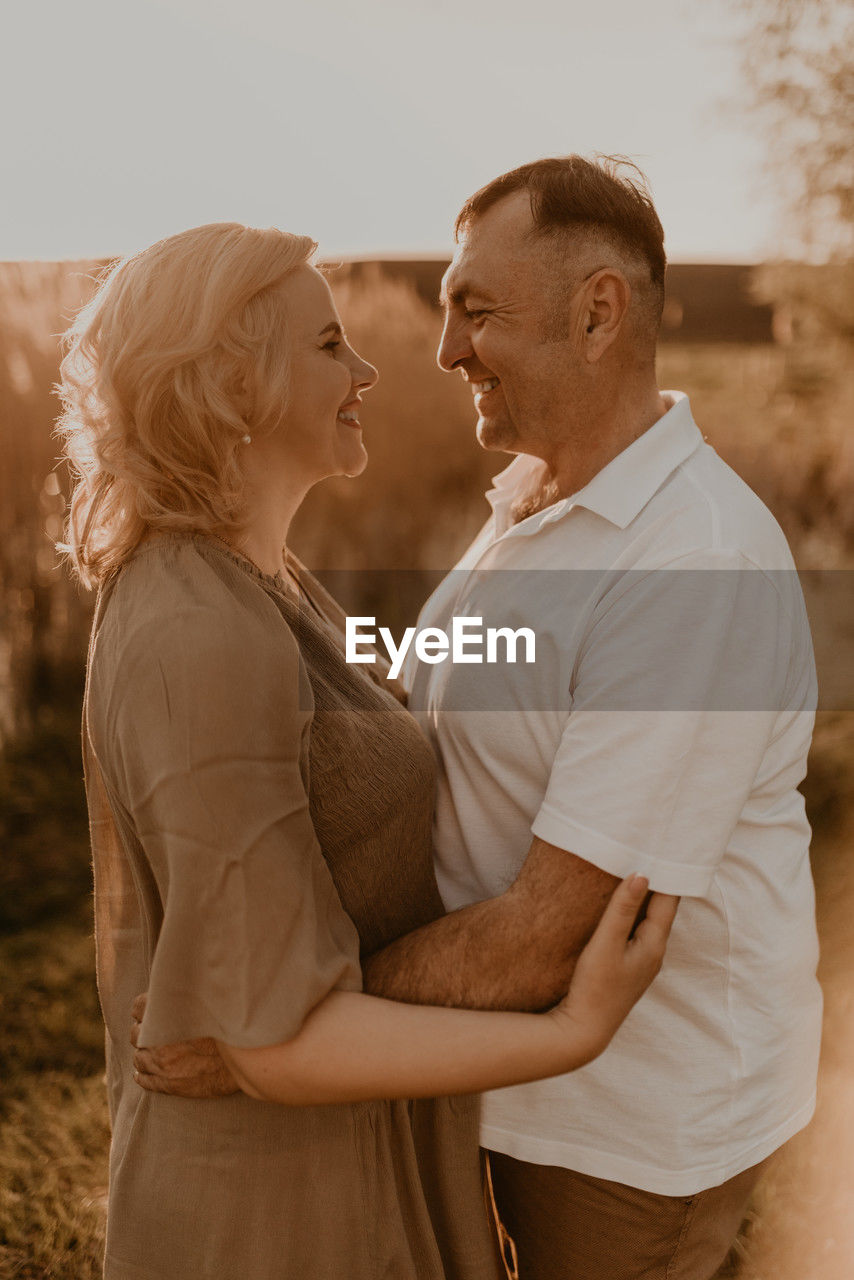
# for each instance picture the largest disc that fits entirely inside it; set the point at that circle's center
(454, 346)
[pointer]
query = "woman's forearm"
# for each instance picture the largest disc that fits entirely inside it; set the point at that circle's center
(355, 1047)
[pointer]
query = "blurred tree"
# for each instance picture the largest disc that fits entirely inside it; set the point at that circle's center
(798, 62)
(799, 67)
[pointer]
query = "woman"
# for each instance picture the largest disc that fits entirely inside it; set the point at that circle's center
(261, 811)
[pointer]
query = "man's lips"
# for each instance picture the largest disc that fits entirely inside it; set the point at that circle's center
(482, 389)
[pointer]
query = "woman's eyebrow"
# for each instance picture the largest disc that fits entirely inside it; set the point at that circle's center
(332, 327)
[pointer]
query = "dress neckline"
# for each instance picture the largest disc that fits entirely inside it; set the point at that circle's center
(276, 581)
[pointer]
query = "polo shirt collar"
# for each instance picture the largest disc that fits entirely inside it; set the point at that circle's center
(621, 490)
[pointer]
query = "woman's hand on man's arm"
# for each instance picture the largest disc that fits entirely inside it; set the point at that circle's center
(514, 952)
(354, 1047)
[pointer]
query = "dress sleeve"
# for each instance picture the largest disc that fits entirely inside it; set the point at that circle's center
(209, 736)
(686, 677)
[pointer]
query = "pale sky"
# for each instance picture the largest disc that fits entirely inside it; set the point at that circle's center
(363, 124)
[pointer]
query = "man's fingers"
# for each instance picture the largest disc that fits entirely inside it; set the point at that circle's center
(165, 1060)
(145, 1062)
(192, 1088)
(196, 1077)
(178, 1059)
(154, 1084)
(137, 1012)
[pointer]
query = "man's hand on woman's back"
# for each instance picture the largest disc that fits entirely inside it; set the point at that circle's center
(191, 1069)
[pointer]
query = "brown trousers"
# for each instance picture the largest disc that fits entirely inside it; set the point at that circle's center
(568, 1226)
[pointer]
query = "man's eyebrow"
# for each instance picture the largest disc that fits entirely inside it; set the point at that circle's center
(459, 291)
(332, 327)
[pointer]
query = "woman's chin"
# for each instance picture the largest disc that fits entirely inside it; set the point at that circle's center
(355, 464)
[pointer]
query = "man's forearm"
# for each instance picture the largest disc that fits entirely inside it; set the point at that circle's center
(516, 951)
(471, 959)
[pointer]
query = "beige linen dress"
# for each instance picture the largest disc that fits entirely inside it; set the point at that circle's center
(260, 813)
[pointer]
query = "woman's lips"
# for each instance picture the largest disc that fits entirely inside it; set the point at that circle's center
(348, 414)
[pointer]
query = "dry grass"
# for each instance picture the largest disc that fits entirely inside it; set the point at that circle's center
(53, 1157)
(54, 1132)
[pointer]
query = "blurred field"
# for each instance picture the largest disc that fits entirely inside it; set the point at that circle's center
(780, 415)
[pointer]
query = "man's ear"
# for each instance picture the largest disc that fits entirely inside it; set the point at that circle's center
(606, 301)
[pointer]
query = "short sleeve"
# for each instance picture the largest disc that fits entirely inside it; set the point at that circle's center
(208, 738)
(683, 681)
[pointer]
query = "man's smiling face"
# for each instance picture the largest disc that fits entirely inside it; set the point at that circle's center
(510, 331)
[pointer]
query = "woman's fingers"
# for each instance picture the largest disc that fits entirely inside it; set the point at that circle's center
(620, 960)
(654, 929)
(618, 918)
(620, 934)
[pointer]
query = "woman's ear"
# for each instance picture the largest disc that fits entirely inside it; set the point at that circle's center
(242, 395)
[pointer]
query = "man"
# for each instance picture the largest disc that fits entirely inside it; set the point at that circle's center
(663, 728)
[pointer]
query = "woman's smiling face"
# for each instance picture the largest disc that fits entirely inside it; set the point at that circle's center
(320, 430)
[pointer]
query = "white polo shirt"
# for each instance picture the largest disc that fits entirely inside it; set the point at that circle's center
(663, 728)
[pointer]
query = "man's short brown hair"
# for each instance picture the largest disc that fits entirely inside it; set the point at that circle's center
(607, 195)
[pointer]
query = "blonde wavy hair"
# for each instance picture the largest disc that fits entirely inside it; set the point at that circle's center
(182, 351)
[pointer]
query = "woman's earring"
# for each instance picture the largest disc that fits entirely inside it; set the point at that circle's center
(246, 439)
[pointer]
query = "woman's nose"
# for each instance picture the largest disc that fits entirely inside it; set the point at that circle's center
(364, 375)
